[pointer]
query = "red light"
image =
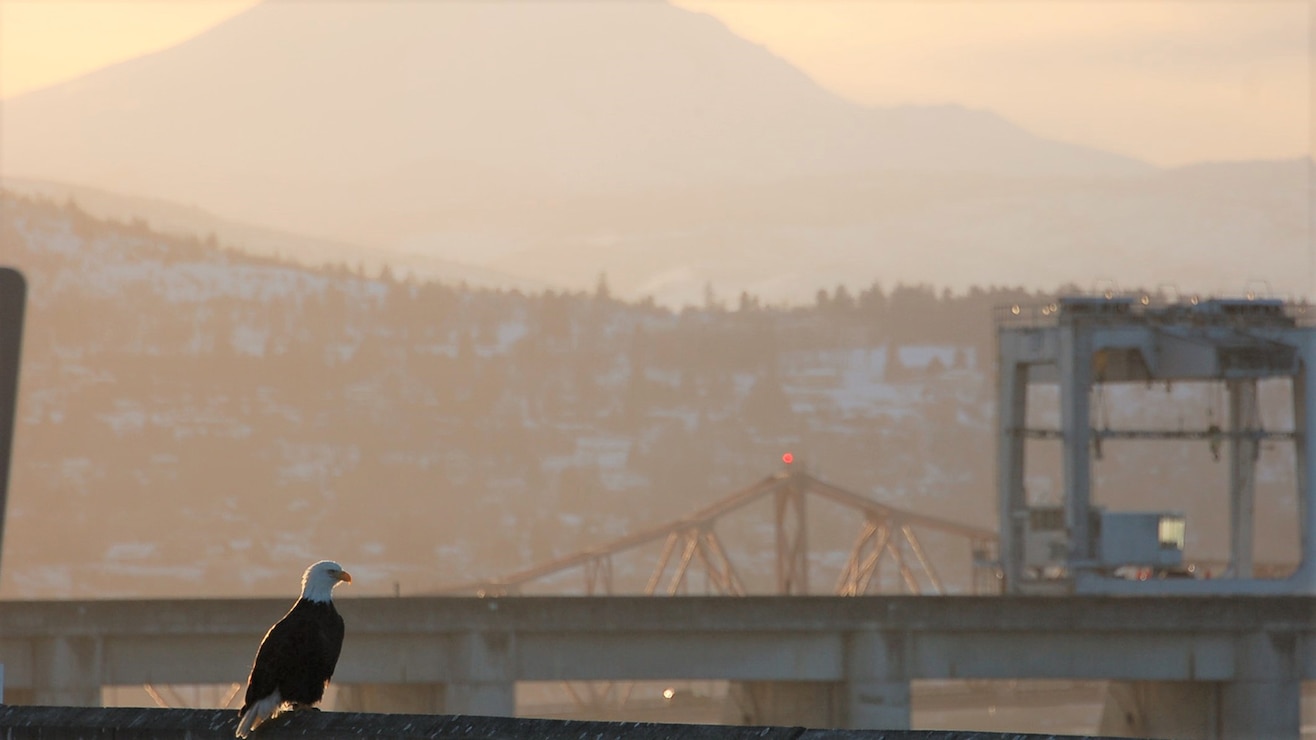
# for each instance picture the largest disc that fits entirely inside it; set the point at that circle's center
(788, 458)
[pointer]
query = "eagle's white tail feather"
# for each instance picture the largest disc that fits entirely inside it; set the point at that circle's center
(262, 710)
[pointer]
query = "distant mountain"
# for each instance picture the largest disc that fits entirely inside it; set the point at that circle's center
(1219, 228)
(420, 124)
(1211, 228)
(167, 217)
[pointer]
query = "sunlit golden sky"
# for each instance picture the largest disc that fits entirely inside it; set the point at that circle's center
(1168, 81)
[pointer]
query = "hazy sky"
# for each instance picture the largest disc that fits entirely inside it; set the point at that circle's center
(1170, 82)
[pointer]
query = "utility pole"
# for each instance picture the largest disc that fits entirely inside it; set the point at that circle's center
(13, 296)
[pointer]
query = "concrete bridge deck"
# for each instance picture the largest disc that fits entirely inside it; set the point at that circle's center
(1251, 654)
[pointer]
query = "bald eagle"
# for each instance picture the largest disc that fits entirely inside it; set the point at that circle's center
(297, 656)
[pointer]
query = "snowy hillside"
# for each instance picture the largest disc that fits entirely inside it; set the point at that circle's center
(198, 421)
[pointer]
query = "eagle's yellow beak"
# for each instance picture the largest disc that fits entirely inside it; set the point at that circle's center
(345, 577)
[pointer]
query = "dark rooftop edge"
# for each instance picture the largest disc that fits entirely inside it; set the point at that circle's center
(128, 723)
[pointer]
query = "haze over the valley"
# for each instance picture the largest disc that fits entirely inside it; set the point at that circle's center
(202, 416)
(549, 143)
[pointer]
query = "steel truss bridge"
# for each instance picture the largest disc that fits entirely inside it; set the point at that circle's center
(888, 541)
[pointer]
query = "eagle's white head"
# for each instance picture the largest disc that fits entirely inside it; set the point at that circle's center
(319, 580)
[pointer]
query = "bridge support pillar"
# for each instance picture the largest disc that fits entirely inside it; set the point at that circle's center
(481, 683)
(483, 698)
(485, 685)
(1265, 697)
(877, 684)
(67, 672)
(391, 698)
(789, 703)
(1264, 700)
(1181, 710)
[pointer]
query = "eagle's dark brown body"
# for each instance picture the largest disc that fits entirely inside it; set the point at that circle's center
(298, 655)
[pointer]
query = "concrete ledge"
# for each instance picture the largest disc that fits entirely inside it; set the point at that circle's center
(68, 723)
